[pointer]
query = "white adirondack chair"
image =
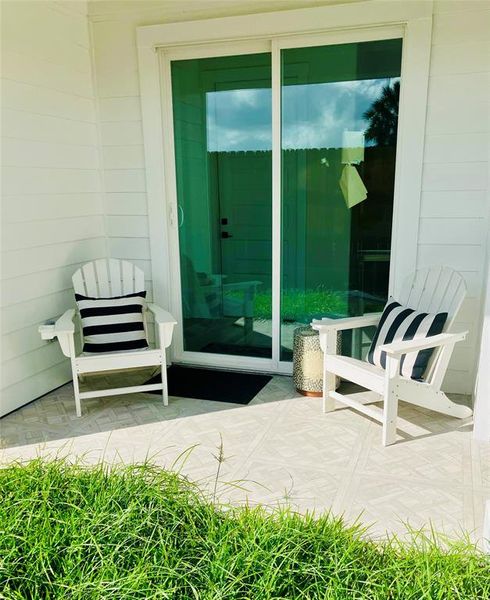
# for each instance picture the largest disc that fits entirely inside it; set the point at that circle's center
(103, 279)
(430, 290)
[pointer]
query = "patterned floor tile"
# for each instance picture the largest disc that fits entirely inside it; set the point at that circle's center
(278, 449)
(397, 505)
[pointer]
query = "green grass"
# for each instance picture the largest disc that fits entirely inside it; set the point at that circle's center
(139, 532)
(299, 305)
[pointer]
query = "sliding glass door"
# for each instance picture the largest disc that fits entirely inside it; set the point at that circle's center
(252, 265)
(222, 131)
(338, 144)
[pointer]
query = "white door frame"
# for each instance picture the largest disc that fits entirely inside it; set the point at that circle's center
(356, 22)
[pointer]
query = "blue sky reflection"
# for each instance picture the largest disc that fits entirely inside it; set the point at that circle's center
(314, 115)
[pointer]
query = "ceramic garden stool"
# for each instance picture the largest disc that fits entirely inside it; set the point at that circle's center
(308, 362)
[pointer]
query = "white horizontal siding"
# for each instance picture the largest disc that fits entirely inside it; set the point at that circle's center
(52, 232)
(125, 203)
(450, 27)
(121, 133)
(23, 288)
(26, 97)
(37, 180)
(454, 214)
(454, 204)
(47, 128)
(41, 29)
(37, 384)
(41, 207)
(51, 256)
(52, 210)
(124, 180)
(463, 231)
(45, 74)
(455, 177)
(125, 226)
(456, 148)
(125, 109)
(25, 153)
(130, 248)
(123, 157)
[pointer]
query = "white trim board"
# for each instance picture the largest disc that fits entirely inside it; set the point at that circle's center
(361, 21)
(371, 13)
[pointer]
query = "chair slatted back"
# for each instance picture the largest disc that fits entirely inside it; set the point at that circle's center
(435, 289)
(106, 278)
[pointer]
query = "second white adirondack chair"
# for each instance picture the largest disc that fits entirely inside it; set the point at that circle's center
(104, 279)
(430, 290)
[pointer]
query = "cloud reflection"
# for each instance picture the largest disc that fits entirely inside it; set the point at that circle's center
(314, 115)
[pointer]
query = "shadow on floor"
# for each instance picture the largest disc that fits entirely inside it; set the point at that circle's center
(52, 417)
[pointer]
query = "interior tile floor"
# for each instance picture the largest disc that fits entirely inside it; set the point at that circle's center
(278, 449)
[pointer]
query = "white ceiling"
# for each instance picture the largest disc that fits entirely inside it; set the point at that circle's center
(184, 10)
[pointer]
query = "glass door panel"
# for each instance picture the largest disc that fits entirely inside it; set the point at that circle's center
(223, 155)
(338, 129)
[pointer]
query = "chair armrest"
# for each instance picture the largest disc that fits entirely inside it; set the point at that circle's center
(324, 325)
(64, 330)
(162, 317)
(166, 324)
(397, 349)
(65, 323)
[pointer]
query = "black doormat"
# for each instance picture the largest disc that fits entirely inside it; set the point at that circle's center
(207, 384)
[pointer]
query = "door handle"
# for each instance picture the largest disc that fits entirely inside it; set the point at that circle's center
(225, 234)
(180, 210)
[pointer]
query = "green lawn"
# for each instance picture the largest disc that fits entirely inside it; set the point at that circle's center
(298, 305)
(139, 532)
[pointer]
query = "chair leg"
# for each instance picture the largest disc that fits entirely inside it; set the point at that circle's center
(390, 404)
(74, 373)
(76, 391)
(389, 419)
(328, 344)
(328, 386)
(164, 380)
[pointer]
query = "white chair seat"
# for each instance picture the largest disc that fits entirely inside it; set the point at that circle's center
(104, 361)
(357, 371)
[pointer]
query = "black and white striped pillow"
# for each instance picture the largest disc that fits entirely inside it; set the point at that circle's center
(400, 323)
(113, 324)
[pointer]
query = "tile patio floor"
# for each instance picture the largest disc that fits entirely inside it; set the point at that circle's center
(282, 449)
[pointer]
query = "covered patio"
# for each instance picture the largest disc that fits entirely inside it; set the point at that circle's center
(93, 173)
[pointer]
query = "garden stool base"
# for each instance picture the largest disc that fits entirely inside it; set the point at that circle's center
(308, 362)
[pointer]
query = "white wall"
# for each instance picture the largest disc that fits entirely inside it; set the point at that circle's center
(454, 214)
(52, 218)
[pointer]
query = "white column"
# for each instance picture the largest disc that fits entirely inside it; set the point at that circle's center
(481, 428)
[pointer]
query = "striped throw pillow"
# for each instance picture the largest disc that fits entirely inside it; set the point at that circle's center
(401, 323)
(113, 324)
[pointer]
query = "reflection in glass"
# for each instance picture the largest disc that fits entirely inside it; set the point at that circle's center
(339, 122)
(222, 128)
